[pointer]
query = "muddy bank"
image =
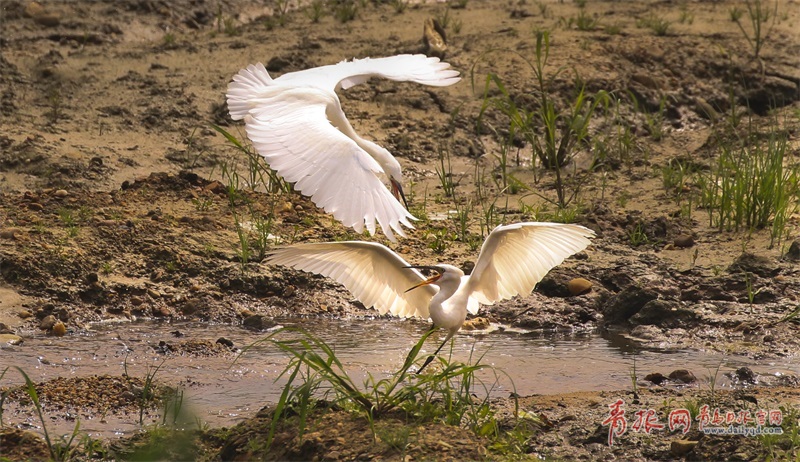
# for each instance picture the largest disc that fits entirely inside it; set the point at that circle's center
(117, 200)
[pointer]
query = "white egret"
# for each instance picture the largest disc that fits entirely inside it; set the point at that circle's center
(297, 124)
(513, 259)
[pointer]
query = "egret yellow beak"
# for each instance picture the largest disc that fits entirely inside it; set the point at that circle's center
(431, 279)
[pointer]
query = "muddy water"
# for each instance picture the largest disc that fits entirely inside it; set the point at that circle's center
(220, 392)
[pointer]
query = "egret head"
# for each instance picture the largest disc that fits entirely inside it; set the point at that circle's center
(442, 273)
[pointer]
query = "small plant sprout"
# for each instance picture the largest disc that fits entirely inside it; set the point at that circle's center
(762, 20)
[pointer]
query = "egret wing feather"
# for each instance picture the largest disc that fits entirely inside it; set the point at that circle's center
(514, 258)
(290, 129)
(404, 68)
(374, 274)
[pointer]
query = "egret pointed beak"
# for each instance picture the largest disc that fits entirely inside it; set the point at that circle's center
(431, 279)
(397, 190)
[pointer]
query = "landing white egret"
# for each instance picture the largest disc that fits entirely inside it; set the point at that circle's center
(297, 124)
(513, 259)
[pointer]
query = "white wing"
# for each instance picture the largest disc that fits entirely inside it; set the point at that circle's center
(289, 127)
(514, 258)
(370, 271)
(404, 68)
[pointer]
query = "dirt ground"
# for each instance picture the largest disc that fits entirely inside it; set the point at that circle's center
(116, 197)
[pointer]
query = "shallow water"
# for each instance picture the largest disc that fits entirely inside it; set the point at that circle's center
(221, 392)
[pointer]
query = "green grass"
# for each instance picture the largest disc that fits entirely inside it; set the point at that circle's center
(750, 187)
(554, 131)
(762, 20)
(448, 392)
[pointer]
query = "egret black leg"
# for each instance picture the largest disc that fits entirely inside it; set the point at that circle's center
(430, 358)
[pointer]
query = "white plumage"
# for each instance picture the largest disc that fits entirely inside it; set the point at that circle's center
(297, 124)
(513, 259)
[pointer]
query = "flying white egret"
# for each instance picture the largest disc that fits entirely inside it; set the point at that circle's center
(513, 259)
(297, 124)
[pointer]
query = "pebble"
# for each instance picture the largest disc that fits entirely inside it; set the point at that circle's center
(9, 233)
(4, 329)
(25, 314)
(47, 322)
(10, 339)
(161, 312)
(246, 313)
(36, 207)
(578, 286)
(39, 14)
(61, 193)
(59, 329)
(684, 241)
(681, 447)
(479, 323)
(683, 375)
(258, 322)
(656, 378)
(153, 293)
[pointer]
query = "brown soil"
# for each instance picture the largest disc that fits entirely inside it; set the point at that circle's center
(113, 204)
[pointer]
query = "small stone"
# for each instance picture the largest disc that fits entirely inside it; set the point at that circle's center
(48, 322)
(25, 314)
(475, 324)
(793, 253)
(684, 241)
(578, 286)
(682, 375)
(9, 233)
(224, 341)
(745, 375)
(682, 447)
(161, 312)
(258, 322)
(59, 329)
(246, 313)
(191, 306)
(61, 193)
(656, 378)
(36, 207)
(4, 329)
(286, 207)
(38, 13)
(136, 301)
(10, 339)
(153, 293)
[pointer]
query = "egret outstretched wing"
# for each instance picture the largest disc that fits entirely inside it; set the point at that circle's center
(375, 275)
(514, 258)
(291, 130)
(403, 68)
